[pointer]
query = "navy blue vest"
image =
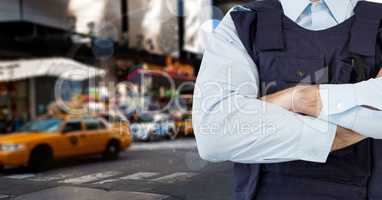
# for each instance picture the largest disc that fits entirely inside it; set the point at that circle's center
(287, 54)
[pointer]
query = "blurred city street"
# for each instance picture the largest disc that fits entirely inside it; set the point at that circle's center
(112, 99)
(158, 171)
(96, 100)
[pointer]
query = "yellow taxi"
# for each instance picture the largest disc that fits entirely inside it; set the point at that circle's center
(43, 140)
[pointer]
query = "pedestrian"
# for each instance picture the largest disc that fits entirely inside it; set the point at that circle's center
(289, 141)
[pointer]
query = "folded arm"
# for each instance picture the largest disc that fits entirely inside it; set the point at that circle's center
(232, 124)
(353, 106)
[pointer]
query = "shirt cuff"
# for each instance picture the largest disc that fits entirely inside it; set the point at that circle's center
(336, 99)
(316, 140)
(369, 93)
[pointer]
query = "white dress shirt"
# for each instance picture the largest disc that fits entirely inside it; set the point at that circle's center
(231, 123)
(354, 106)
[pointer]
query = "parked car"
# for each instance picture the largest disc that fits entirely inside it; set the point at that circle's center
(153, 127)
(40, 142)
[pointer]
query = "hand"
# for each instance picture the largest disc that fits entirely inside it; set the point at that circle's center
(283, 98)
(299, 99)
(307, 100)
(345, 137)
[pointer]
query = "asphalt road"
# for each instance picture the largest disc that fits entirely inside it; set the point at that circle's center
(147, 171)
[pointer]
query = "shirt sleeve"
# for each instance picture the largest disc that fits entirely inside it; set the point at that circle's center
(354, 106)
(342, 97)
(232, 124)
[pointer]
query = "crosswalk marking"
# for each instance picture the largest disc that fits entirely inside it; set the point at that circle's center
(104, 177)
(106, 181)
(20, 176)
(136, 176)
(139, 176)
(51, 178)
(90, 177)
(179, 176)
(3, 196)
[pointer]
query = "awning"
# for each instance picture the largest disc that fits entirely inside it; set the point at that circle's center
(55, 67)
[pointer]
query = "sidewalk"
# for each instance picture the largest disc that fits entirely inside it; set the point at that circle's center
(81, 193)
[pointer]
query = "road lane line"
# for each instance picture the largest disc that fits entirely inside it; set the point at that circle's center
(3, 196)
(139, 176)
(91, 177)
(179, 176)
(20, 176)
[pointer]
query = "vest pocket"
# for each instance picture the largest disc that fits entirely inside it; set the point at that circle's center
(343, 71)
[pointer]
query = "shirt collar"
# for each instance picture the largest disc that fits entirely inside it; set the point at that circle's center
(294, 8)
(338, 8)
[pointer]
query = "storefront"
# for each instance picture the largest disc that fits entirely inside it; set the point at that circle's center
(27, 87)
(14, 99)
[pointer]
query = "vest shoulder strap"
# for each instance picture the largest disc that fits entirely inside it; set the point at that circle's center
(379, 49)
(364, 33)
(261, 25)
